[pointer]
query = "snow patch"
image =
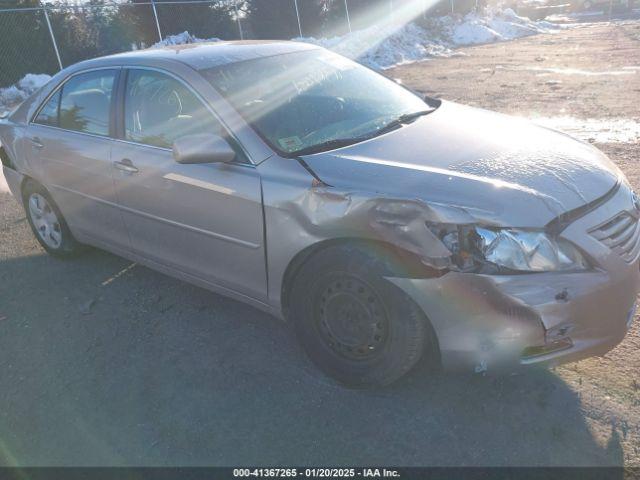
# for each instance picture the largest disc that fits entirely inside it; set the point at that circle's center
(383, 47)
(576, 71)
(387, 45)
(183, 38)
(494, 26)
(617, 130)
(14, 95)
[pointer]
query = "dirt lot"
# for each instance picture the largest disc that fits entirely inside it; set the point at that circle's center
(102, 364)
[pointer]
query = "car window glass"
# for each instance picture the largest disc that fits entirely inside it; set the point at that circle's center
(85, 102)
(304, 99)
(159, 109)
(49, 113)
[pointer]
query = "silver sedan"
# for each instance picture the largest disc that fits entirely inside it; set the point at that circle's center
(385, 226)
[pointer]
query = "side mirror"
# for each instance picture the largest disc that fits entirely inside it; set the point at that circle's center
(202, 148)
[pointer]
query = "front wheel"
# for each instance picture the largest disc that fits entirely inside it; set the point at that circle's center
(46, 221)
(356, 326)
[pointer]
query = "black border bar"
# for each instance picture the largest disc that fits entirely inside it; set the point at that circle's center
(394, 473)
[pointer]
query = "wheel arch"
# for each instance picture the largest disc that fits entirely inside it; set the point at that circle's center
(403, 262)
(26, 179)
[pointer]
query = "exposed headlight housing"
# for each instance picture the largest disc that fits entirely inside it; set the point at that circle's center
(505, 250)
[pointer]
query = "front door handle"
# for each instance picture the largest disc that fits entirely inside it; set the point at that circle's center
(37, 143)
(125, 165)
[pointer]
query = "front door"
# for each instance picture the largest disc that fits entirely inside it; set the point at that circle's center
(204, 220)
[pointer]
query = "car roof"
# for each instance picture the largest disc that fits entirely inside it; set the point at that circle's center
(199, 56)
(207, 54)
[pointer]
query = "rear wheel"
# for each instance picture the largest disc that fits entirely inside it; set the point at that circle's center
(46, 221)
(356, 326)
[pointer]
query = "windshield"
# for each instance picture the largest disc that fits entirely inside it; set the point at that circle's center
(314, 98)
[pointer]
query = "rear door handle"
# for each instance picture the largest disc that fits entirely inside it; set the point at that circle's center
(36, 142)
(125, 165)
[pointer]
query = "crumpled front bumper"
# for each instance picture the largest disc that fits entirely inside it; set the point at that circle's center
(498, 322)
(484, 322)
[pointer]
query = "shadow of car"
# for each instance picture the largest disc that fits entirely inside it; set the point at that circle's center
(158, 372)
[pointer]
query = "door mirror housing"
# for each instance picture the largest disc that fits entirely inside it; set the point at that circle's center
(202, 148)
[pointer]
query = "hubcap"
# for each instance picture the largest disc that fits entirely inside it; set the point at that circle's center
(351, 319)
(45, 220)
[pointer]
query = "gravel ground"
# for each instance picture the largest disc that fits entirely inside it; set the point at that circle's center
(104, 363)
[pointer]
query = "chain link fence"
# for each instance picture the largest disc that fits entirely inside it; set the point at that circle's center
(92, 31)
(25, 45)
(47, 38)
(203, 19)
(259, 22)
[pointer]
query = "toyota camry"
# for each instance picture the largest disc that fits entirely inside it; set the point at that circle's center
(386, 227)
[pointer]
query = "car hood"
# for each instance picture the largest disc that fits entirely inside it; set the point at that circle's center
(502, 170)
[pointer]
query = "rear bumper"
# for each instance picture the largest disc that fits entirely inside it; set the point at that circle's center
(14, 181)
(502, 322)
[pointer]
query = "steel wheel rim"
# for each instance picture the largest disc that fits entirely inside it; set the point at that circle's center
(45, 221)
(351, 319)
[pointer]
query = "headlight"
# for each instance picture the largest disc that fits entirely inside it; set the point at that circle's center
(496, 250)
(533, 251)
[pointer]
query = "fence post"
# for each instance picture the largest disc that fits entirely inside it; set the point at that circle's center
(295, 2)
(155, 15)
(235, 7)
(53, 38)
(346, 9)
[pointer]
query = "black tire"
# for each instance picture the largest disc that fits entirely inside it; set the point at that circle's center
(356, 326)
(67, 246)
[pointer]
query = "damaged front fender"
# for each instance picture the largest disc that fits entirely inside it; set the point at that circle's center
(326, 212)
(304, 212)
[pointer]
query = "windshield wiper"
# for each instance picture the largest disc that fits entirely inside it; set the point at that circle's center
(328, 145)
(401, 120)
(345, 142)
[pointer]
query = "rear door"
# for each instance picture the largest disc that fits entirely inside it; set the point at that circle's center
(69, 141)
(204, 220)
